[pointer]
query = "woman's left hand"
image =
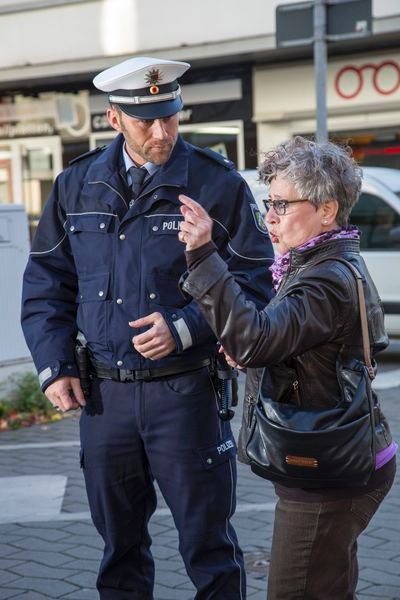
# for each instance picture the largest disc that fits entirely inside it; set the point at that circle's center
(197, 227)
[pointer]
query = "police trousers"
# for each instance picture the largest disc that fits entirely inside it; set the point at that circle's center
(166, 430)
(314, 546)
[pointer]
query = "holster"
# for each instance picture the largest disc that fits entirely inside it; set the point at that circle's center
(82, 361)
(226, 386)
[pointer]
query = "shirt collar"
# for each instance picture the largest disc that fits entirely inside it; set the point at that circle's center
(150, 167)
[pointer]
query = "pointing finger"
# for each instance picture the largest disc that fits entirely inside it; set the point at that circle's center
(193, 205)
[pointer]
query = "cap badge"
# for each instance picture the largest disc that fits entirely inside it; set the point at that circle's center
(153, 77)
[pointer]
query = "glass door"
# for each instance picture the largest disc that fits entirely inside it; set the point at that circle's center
(28, 167)
(6, 178)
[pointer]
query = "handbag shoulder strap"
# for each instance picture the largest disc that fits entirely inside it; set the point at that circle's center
(363, 311)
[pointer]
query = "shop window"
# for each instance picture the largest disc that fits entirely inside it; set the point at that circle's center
(376, 219)
(226, 138)
(6, 186)
(373, 149)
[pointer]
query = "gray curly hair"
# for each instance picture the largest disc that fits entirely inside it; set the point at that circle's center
(318, 171)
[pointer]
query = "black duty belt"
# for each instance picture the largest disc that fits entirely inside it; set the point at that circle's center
(124, 375)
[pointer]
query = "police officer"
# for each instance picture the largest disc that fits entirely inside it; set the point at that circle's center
(105, 265)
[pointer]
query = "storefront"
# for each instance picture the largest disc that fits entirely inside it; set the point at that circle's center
(363, 101)
(40, 134)
(37, 138)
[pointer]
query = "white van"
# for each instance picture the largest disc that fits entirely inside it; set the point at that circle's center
(377, 215)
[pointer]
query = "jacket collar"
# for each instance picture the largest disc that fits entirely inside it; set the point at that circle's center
(328, 248)
(109, 167)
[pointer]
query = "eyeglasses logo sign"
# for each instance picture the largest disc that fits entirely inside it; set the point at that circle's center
(385, 79)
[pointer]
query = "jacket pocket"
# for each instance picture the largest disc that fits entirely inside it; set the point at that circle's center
(92, 240)
(218, 453)
(90, 223)
(93, 305)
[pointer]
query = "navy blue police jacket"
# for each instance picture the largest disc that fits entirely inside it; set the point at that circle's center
(97, 263)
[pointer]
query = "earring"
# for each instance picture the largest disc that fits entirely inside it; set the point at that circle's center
(324, 222)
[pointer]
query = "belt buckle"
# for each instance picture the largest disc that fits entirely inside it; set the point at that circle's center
(126, 375)
(143, 375)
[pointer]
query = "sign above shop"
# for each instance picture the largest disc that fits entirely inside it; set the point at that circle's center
(346, 19)
(24, 116)
(28, 129)
(384, 78)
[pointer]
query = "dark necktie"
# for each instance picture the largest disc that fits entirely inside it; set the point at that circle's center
(137, 176)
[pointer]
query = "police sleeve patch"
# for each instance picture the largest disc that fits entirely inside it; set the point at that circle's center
(258, 219)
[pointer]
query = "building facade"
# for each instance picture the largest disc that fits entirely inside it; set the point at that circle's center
(242, 95)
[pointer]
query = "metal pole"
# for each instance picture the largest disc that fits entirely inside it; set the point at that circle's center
(320, 68)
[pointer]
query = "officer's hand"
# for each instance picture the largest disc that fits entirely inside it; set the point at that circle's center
(197, 227)
(157, 341)
(65, 393)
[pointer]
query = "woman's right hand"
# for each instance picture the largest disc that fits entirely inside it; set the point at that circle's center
(197, 227)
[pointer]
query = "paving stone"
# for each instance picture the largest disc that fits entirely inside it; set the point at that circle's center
(164, 593)
(172, 564)
(50, 535)
(31, 569)
(384, 592)
(172, 579)
(50, 588)
(83, 579)
(86, 551)
(84, 564)
(6, 593)
(162, 551)
(386, 566)
(51, 559)
(16, 595)
(83, 594)
(380, 577)
(6, 551)
(7, 563)
(6, 577)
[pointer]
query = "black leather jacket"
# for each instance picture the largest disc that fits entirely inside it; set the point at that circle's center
(307, 329)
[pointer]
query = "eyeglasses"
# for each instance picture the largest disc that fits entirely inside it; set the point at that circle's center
(280, 206)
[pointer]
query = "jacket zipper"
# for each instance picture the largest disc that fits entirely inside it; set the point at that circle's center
(251, 402)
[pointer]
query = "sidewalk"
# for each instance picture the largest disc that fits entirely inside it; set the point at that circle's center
(49, 548)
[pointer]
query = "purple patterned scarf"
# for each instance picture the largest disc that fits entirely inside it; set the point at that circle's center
(281, 262)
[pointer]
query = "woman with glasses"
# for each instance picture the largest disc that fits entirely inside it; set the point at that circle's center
(310, 326)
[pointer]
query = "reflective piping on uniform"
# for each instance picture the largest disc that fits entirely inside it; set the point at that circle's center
(227, 534)
(45, 375)
(249, 257)
(163, 215)
(184, 333)
(231, 501)
(92, 213)
(223, 227)
(234, 251)
(111, 188)
(51, 250)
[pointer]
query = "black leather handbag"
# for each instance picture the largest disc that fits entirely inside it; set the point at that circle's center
(324, 447)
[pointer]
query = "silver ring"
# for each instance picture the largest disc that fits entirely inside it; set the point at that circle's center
(56, 408)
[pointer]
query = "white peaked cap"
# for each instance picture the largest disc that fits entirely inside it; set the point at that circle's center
(133, 74)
